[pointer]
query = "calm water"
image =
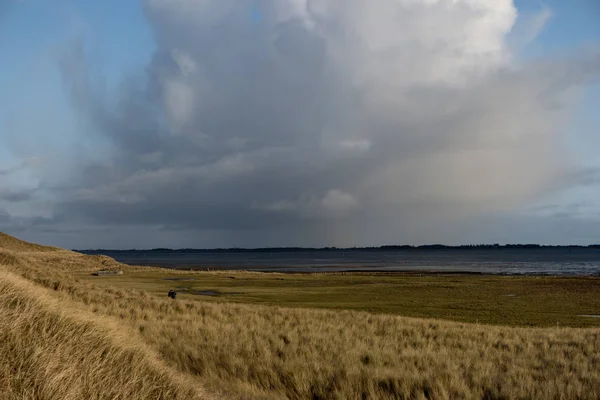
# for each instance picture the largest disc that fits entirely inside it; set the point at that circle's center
(583, 261)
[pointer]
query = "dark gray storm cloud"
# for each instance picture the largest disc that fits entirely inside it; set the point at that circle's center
(318, 122)
(16, 196)
(587, 176)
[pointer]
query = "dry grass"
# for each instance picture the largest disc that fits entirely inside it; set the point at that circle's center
(52, 350)
(13, 244)
(263, 351)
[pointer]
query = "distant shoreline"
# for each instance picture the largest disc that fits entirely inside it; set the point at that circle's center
(361, 272)
(399, 248)
(504, 261)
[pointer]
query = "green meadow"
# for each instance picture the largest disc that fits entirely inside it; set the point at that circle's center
(498, 300)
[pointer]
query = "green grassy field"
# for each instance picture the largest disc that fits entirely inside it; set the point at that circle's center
(498, 300)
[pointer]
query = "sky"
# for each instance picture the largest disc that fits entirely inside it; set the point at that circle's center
(253, 123)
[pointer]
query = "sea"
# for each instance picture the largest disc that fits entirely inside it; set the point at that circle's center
(576, 261)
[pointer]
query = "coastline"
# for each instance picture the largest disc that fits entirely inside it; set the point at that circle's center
(527, 262)
(329, 270)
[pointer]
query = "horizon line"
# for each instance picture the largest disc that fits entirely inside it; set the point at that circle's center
(354, 248)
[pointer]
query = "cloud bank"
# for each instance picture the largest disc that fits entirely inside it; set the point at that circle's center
(284, 122)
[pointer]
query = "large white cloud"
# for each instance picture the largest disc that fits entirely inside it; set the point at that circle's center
(422, 95)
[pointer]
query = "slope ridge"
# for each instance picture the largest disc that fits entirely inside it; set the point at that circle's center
(8, 242)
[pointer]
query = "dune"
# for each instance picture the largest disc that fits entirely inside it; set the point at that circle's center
(11, 243)
(52, 349)
(65, 338)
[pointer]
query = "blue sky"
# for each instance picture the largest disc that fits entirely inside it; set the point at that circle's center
(572, 23)
(115, 34)
(119, 42)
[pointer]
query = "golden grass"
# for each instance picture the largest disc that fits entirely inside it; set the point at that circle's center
(52, 350)
(16, 245)
(250, 351)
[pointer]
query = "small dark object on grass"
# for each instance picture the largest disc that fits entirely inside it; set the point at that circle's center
(172, 294)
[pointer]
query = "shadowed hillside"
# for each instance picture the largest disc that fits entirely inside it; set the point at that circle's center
(63, 337)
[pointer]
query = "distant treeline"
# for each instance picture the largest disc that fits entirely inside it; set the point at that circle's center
(428, 247)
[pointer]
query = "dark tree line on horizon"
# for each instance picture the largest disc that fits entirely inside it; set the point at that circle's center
(429, 247)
